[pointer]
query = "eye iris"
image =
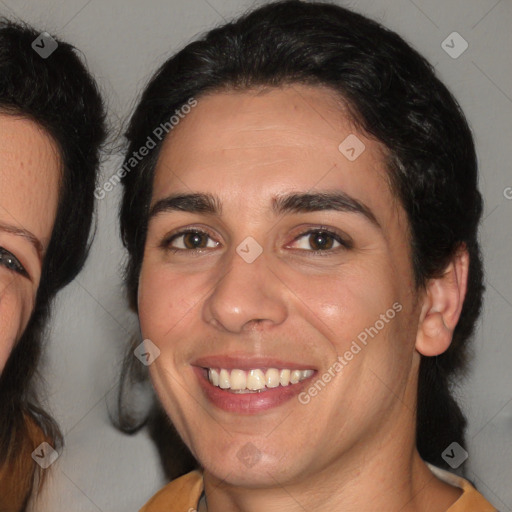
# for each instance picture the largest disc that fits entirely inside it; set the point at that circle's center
(195, 239)
(9, 261)
(321, 240)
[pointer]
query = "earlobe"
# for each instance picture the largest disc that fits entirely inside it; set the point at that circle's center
(442, 306)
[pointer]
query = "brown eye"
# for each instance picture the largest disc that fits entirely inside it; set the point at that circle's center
(194, 240)
(190, 240)
(321, 240)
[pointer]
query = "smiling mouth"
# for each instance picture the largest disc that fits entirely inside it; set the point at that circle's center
(256, 380)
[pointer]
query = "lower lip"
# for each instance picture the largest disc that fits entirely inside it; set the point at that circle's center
(248, 403)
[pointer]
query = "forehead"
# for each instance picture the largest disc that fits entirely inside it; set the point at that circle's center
(29, 176)
(248, 146)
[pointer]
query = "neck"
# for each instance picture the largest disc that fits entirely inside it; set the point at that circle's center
(386, 477)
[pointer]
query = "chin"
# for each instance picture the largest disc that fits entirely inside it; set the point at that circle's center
(244, 466)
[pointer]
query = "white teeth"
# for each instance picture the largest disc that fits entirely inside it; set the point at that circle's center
(255, 380)
(284, 377)
(272, 378)
(306, 374)
(224, 379)
(238, 380)
(214, 377)
(295, 376)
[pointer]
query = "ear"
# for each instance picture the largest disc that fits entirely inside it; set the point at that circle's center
(442, 305)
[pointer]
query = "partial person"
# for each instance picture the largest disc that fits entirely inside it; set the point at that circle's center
(52, 126)
(304, 260)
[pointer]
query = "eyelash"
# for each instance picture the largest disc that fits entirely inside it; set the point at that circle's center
(345, 244)
(9, 261)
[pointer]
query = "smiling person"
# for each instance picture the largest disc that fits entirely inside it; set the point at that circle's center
(51, 128)
(303, 254)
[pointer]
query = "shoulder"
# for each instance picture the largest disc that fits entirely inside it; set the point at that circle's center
(17, 469)
(182, 493)
(470, 500)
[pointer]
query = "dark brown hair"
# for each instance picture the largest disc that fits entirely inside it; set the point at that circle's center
(59, 94)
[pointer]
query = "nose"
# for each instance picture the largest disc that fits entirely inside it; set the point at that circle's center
(246, 294)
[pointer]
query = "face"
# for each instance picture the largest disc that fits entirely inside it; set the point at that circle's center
(29, 182)
(286, 327)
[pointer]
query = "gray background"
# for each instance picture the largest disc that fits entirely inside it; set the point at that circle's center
(124, 42)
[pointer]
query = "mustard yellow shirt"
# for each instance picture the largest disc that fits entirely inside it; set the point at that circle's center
(17, 476)
(183, 494)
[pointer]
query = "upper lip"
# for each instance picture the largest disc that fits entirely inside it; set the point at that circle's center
(247, 362)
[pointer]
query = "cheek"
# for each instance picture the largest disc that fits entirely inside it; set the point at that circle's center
(161, 301)
(348, 301)
(14, 316)
(363, 320)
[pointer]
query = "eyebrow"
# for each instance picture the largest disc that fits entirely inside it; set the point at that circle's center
(24, 233)
(210, 204)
